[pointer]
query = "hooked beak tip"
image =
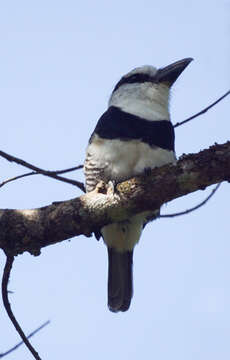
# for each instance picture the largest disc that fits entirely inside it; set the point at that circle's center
(170, 73)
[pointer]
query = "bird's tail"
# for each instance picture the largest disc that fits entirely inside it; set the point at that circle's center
(120, 279)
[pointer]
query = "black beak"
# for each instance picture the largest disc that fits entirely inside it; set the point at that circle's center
(170, 73)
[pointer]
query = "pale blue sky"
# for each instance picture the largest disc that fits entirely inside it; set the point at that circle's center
(59, 63)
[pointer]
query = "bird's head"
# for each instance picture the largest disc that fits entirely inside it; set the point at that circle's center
(144, 91)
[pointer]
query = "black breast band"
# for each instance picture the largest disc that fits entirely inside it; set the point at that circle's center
(117, 124)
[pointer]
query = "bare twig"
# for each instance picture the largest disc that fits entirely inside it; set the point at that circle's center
(41, 171)
(36, 173)
(22, 342)
(193, 208)
(202, 111)
(5, 280)
(67, 170)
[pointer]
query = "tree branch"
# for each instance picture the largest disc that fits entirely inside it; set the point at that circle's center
(194, 208)
(57, 172)
(202, 111)
(51, 174)
(30, 230)
(5, 280)
(22, 342)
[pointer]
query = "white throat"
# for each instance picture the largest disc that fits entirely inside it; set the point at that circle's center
(146, 100)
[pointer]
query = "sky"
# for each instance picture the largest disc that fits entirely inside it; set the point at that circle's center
(59, 63)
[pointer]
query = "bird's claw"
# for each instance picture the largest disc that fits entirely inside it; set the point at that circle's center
(111, 187)
(101, 187)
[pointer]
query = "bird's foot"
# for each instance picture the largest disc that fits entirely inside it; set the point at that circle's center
(111, 187)
(101, 188)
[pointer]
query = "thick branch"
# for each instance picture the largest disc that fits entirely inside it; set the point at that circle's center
(30, 230)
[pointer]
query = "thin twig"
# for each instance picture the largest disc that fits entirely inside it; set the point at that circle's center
(36, 173)
(193, 208)
(41, 171)
(203, 111)
(5, 280)
(22, 342)
(67, 170)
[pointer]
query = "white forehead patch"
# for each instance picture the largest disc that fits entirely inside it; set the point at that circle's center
(145, 69)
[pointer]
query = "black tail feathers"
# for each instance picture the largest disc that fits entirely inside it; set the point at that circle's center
(120, 280)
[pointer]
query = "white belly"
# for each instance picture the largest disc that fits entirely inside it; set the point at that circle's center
(124, 159)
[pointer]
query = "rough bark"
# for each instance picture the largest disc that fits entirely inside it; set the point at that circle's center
(30, 230)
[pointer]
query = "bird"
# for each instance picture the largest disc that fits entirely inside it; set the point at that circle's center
(134, 135)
